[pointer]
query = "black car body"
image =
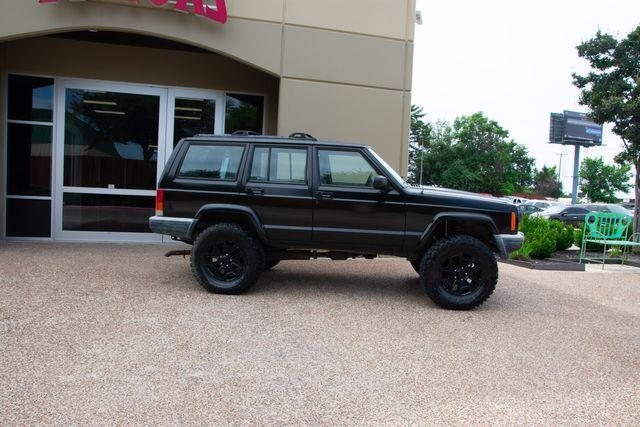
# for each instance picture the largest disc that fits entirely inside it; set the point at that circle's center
(575, 214)
(302, 198)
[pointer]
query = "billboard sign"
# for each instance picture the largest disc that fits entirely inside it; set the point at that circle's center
(197, 7)
(573, 128)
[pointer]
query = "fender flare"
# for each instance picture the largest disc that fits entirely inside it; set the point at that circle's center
(458, 216)
(237, 209)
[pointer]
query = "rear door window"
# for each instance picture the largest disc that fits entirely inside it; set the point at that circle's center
(212, 162)
(279, 164)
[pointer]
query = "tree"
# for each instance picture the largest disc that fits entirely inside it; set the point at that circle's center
(476, 154)
(419, 139)
(547, 182)
(600, 181)
(612, 91)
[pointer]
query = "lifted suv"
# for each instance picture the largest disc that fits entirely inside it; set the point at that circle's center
(246, 203)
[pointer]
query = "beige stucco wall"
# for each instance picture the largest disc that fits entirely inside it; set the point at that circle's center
(51, 56)
(344, 67)
(361, 48)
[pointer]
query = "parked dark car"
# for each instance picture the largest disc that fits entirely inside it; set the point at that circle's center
(246, 203)
(575, 214)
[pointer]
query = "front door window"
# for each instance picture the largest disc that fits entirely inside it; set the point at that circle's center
(345, 168)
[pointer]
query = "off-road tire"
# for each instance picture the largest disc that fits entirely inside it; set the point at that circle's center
(432, 266)
(252, 255)
(270, 263)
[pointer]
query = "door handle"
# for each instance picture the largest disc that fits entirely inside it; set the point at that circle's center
(254, 191)
(324, 195)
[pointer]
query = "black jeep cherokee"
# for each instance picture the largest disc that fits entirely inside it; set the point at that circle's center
(246, 203)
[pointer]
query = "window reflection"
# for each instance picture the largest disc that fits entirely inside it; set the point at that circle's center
(106, 212)
(30, 98)
(111, 139)
(244, 112)
(193, 117)
(28, 160)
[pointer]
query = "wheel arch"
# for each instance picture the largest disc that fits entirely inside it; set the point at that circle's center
(238, 214)
(477, 225)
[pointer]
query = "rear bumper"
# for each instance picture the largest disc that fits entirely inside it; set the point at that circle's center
(508, 243)
(176, 227)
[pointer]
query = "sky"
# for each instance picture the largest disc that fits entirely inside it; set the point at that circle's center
(513, 60)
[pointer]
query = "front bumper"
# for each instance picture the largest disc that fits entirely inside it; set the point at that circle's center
(508, 243)
(176, 227)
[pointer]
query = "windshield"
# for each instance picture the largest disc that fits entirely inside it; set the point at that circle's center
(389, 169)
(553, 210)
(617, 209)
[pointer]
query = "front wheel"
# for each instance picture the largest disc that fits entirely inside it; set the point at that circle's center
(459, 272)
(226, 259)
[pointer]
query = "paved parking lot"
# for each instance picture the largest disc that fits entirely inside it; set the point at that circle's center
(117, 334)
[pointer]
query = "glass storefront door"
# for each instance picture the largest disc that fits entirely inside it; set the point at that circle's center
(84, 156)
(192, 112)
(109, 155)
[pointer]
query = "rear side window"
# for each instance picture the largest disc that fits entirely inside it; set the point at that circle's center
(275, 164)
(215, 162)
(574, 211)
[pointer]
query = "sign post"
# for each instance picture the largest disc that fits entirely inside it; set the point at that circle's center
(576, 175)
(577, 129)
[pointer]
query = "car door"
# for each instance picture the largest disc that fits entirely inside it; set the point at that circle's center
(278, 188)
(574, 215)
(348, 213)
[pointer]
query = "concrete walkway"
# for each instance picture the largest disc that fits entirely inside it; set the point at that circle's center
(117, 334)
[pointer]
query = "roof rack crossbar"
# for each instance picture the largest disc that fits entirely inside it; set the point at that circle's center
(302, 135)
(245, 133)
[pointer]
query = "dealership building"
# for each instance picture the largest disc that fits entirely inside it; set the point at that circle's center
(96, 93)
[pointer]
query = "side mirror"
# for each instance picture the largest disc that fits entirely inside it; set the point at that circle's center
(381, 183)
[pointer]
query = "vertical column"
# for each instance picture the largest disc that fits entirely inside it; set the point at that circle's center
(576, 175)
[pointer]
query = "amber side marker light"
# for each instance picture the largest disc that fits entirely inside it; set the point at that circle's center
(514, 221)
(159, 202)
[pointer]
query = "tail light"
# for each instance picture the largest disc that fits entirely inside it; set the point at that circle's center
(514, 221)
(159, 202)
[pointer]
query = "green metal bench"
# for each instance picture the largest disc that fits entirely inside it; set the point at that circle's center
(609, 230)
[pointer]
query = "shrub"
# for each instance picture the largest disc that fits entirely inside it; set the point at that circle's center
(564, 235)
(539, 238)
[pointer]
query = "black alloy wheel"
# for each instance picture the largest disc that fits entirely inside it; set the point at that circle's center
(227, 259)
(459, 272)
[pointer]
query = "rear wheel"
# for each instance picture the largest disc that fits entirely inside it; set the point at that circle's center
(226, 259)
(459, 272)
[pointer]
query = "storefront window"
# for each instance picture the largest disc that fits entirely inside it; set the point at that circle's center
(107, 212)
(30, 98)
(111, 140)
(28, 160)
(244, 113)
(29, 149)
(193, 117)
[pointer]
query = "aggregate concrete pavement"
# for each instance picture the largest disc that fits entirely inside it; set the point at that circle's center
(117, 334)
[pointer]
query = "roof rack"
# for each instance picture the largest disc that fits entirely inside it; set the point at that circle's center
(302, 135)
(245, 133)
